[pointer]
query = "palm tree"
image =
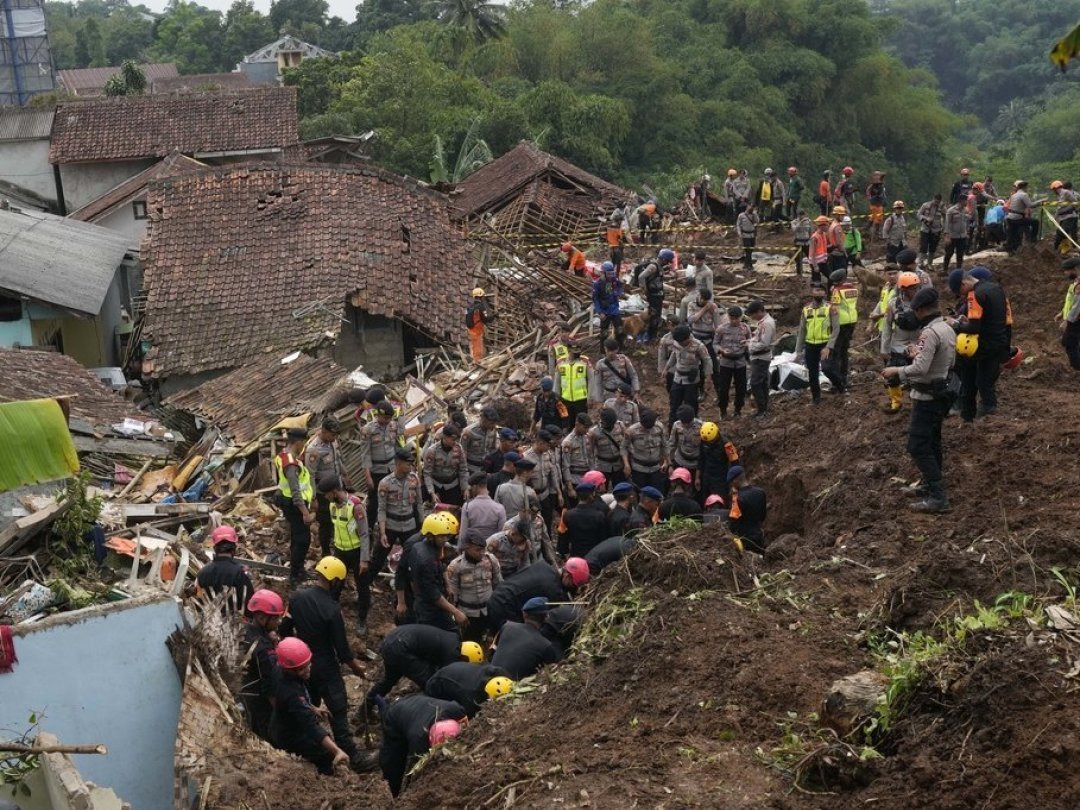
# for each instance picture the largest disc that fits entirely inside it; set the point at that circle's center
(480, 19)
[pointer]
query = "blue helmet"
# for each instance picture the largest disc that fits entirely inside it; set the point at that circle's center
(666, 255)
(608, 267)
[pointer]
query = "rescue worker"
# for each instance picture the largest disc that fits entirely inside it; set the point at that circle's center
(624, 495)
(679, 502)
(746, 228)
(611, 371)
(411, 727)
(539, 579)
(575, 260)
(430, 602)
(716, 510)
(961, 187)
(845, 297)
(877, 315)
(469, 685)
(511, 548)
(508, 442)
(605, 553)
(1069, 318)
(718, 453)
(545, 476)
(546, 409)
(894, 231)
(818, 249)
(703, 274)
(323, 459)
(578, 453)
(824, 192)
(573, 377)
(900, 330)
(645, 513)
(1067, 214)
(559, 346)
(514, 496)
(801, 228)
(1020, 223)
(470, 579)
(732, 339)
(704, 318)
(607, 437)
(480, 438)
(853, 243)
(584, 525)
(927, 374)
(224, 574)
(835, 238)
(931, 224)
(625, 408)
(684, 442)
(521, 648)
(844, 193)
(741, 187)
(819, 328)
(295, 494)
(651, 280)
(664, 348)
(416, 652)
(481, 513)
(760, 352)
(446, 473)
(689, 363)
(987, 316)
(351, 539)
(644, 452)
(615, 236)
(379, 440)
(295, 725)
(644, 216)
(607, 293)
(315, 618)
(875, 197)
(795, 188)
(477, 316)
(504, 474)
(956, 234)
(749, 508)
(261, 675)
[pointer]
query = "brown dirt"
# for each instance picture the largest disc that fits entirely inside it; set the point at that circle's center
(687, 712)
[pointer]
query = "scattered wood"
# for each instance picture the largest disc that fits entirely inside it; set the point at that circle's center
(17, 748)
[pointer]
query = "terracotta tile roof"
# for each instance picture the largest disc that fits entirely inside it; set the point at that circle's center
(91, 81)
(153, 126)
(201, 82)
(510, 172)
(135, 186)
(245, 403)
(247, 260)
(31, 374)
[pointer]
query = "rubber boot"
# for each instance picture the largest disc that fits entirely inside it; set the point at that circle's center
(935, 501)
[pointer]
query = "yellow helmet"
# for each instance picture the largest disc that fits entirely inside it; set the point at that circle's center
(332, 568)
(478, 292)
(967, 345)
(709, 431)
(499, 686)
(439, 524)
(472, 652)
(839, 211)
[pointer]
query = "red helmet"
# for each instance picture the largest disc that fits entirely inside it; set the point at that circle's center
(566, 247)
(792, 170)
(594, 477)
(848, 170)
(681, 474)
(578, 570)
(266, 601)
(1016, 357)
(292, 653)
(224, 534)
(443, 730)
(712, 500)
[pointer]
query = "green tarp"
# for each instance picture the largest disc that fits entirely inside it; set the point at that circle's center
(35, 444)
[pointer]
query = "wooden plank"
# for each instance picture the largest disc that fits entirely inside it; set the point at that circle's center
(117, 446)
(150, 510)
(22, 530)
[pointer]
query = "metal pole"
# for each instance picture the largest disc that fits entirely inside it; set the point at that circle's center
(13, 46)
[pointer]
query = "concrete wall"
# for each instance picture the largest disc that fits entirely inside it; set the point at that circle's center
(26, 164)
(122, 220)
(104, 675)
(85, 182)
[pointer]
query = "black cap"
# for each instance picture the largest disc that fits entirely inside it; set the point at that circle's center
(544, 436)
(404, 454)
(385, 408)
(296, 433)
(584, 419)
(490, 414)
(525, 464)
(906, 256)
(329, 484)
(926, 297)
(755, 306)
(332, 424)
(451, 430)
(681, 332)
(375, 395)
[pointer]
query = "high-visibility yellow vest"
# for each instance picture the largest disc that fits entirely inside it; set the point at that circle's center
(346, 532)
(1070, 299)
(818, 324)
(573, 381)
(766, 192)
(846, 300)
(883, 303)
(287, 459)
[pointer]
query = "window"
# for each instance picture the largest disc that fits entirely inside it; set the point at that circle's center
(138, 208)
(10, 309)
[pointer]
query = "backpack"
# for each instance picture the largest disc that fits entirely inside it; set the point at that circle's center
(638, 268)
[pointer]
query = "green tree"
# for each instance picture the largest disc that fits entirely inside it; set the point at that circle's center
(292, 15)
(480, 19)
(246, 30)
(89, 46)
(128, 81)
(318, 82)
(190, 35)
(376, 16)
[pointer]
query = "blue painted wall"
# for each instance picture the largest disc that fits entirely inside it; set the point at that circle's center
(104, 676)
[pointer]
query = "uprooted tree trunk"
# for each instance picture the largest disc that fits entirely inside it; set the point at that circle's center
(851, 700)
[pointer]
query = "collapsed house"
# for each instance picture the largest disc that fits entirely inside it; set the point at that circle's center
(535, 199)
(349, 262)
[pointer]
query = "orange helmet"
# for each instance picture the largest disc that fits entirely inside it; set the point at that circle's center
(1056, 185)
(566, 247)
(980, 186)
(907, 279)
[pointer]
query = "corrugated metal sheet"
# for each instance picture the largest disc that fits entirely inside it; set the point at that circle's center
(29, 124)
(58, 261)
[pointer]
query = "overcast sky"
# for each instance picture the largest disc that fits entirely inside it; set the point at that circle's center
(346, 9)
